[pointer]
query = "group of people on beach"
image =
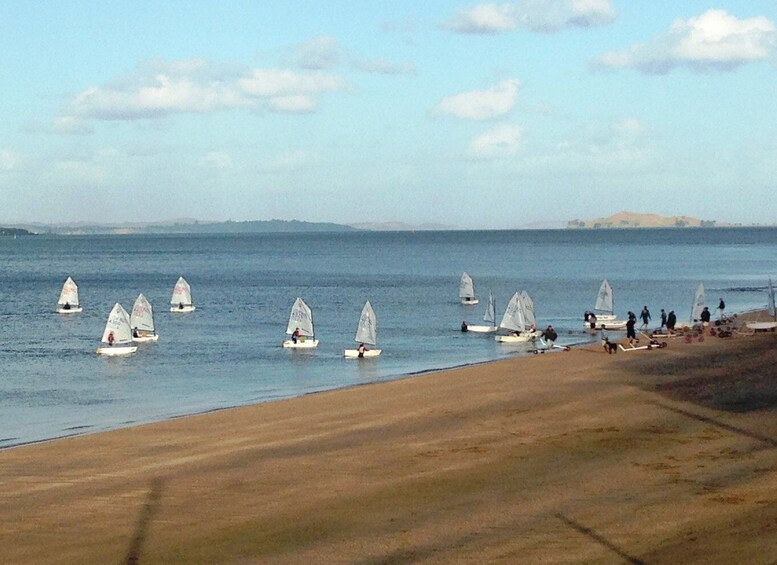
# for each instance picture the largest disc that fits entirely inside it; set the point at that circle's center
(668, 321)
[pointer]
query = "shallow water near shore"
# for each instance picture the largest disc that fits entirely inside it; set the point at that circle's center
(228, 351)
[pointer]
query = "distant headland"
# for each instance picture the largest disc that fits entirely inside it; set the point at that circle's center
(634, 220)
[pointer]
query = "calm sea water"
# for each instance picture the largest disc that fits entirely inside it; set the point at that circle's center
(228, 352)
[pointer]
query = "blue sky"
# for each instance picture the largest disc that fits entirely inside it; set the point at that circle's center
(477, 115)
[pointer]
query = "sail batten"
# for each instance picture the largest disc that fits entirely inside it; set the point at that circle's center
(367, 330)
(300, 318)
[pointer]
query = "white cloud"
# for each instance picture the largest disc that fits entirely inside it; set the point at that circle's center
(533, 15)
(9, 160)
(68, 125)
(502, 140)
(715, 40)
(384, 67)
(318, 53)
(481, 104)
(281, 82)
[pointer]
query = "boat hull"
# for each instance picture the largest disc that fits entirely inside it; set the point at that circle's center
(145, 338)
(470, 301)
(69, 310)
(614, 325)
(117, 351)
(523, 338)
(762, 325)
(183, 310)
(354, 353)
(306, 344)
(482, 329)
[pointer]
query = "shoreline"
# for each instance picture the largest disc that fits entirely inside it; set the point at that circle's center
(576, 457)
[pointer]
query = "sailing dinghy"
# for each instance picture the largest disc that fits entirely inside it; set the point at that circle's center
(117, 334)
(698, 304)
(528, 314)
(181, 301)
(772, 312)
(366, 334)
(467, 290)
(603, 309)
(301, 323)
(68, 298)
(489, 316)
(515, 321)
(142, 321)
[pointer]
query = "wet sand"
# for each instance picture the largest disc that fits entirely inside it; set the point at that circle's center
(644, 457)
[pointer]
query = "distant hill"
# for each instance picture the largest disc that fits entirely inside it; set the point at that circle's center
(14, 231)
(187, 226)
(634, 220)
(400, 226)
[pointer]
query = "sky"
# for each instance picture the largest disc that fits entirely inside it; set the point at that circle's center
(476, 115)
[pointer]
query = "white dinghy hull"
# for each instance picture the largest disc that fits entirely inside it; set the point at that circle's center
(145, 338)
(183, 310)
(61, 310)
(469, 301)
(117, 351)
(354, 353)
(482, 329)
(523, 338)
(301, 344)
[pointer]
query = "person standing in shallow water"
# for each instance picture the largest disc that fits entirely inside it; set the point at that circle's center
(663, 319)
(645, 315)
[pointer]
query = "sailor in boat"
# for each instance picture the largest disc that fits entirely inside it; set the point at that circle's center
(66, 306)
(180, 305)
(295, 335)
(362, 349)
(464, 326)
(135, 332)
(110, 339)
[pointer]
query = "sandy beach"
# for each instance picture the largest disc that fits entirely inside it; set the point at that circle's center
(662, 456)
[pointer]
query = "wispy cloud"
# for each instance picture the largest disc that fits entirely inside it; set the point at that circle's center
(495, 102)
(319, 53)
(9, 160)
(383, 67)
(715, 40)
(502, 140)
(532, 15)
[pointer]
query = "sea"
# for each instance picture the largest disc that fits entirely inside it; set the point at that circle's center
(228, 351)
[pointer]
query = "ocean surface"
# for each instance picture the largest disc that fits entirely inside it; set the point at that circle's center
(228, 352)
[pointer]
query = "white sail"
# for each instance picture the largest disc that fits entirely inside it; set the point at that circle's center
(604, 300)
(119, 325)
(367, 330)
(513, 318)
(772, 309)
(490, 314)
(69, 294)
(698, 303)
(466, 287)
(182, 293)
(528, 309)
(142, 317)
(301, 318)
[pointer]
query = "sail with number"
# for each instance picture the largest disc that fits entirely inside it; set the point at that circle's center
(513, 318)
(69, 294)
(698, 303)
(119, 325)
(604, 300)
(182, 293)
(466, 287)
(528, 309)
(142, 317)
(301, 319)
(367, 330)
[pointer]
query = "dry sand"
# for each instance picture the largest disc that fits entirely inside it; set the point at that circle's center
(663, 456)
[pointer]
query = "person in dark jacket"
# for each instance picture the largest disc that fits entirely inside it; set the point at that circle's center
(663, 318)
(630, 333)
(671, 320)
(705, 317)
(645, 315)
(550, 336)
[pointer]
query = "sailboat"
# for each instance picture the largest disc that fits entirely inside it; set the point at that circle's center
(603, 309)
(366, 334)
(117, 334)
(467, 290)
(142, 320)
(770, 308)
(181, 301)
(489, 316)
(528, 313)
(698, 304)
(515, 321)
(68, 298)
(301, 321)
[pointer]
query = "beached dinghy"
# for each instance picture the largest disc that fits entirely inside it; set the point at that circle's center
(181, 301)
(489, 316)
(142, 321)
(761, 326)
(467, 290)
(604, 310)
(117, 334)
(366, 334)
(301, 324)
(68, 298)
(515, 321)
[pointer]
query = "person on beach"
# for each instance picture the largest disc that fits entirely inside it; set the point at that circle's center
(645, 315)
(630, 333)
(663, 319)
(705, 317)
(295, 335)
(671, 320)
(550, 336)
(721, 307)
(464, 326)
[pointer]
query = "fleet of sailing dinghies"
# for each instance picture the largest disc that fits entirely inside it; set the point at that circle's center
(117, 334)
(489, 316)
(142, 321)
(514, 320)
(603, 309)
(181, 301)
(300, 327)
(366, 334)
(467, 290)
(68, 298)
